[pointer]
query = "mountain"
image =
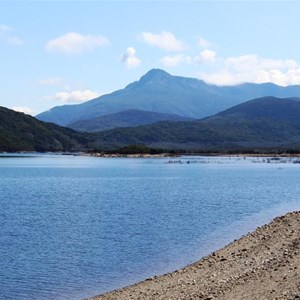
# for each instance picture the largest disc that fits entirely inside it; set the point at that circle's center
(260, 123)
(20, 132)
(158, 91)
(269, 108)
(264, 123)
(127, 118)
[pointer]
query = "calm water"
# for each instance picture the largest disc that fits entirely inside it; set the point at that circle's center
(72, 227)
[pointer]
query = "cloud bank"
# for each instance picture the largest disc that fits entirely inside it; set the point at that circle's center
(230, 70)
(164, 40)
(75, 43)
(205, 56)
(253, 68)
(76, 96)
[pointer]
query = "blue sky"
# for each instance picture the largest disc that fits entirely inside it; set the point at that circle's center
(65, 52)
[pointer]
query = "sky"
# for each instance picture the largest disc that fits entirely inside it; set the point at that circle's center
(67, 52)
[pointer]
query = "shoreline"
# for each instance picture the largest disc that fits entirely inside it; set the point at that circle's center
(170, 155)
(264, 264)
(158, 155)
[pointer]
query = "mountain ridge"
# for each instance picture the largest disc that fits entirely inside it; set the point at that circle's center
(126, 118)
(159, 91)
(222, 131)
(264, 123)
(286, 109)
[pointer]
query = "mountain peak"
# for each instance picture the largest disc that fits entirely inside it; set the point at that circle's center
(155, 74)
(152, 76)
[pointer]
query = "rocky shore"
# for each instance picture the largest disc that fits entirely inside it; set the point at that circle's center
(264, 264)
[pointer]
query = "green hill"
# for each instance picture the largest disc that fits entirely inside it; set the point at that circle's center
(286, 110)
(261, 123)
(127, 118)
(264, 123)
(20, 132)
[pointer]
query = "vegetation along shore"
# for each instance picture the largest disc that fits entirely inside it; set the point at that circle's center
(264, 264)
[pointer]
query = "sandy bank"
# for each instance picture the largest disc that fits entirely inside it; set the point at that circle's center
(264, 264)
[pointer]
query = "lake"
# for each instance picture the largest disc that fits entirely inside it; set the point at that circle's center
(73, 226)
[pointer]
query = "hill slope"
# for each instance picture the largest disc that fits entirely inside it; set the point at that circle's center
(127, 118)
(263, 123)
(272, 108)
(158, 91)
(20, 132)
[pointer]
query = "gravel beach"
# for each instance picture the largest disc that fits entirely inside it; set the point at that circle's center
(264, 264)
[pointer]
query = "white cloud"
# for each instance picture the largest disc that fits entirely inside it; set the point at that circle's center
(222, 77)
(164, 40)
(130, 59)
(76, 96)
(7, 36)
(72, 93)
(203, 43)
(252, 68)
(25, 110)
(252, 62)
(205, 56)
(76, 43)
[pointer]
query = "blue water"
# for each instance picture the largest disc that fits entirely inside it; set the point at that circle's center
(73, 227)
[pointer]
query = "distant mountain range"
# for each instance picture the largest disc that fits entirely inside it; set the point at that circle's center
(266, 123)
(261, 123)
(126, 118)
(158, 91)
